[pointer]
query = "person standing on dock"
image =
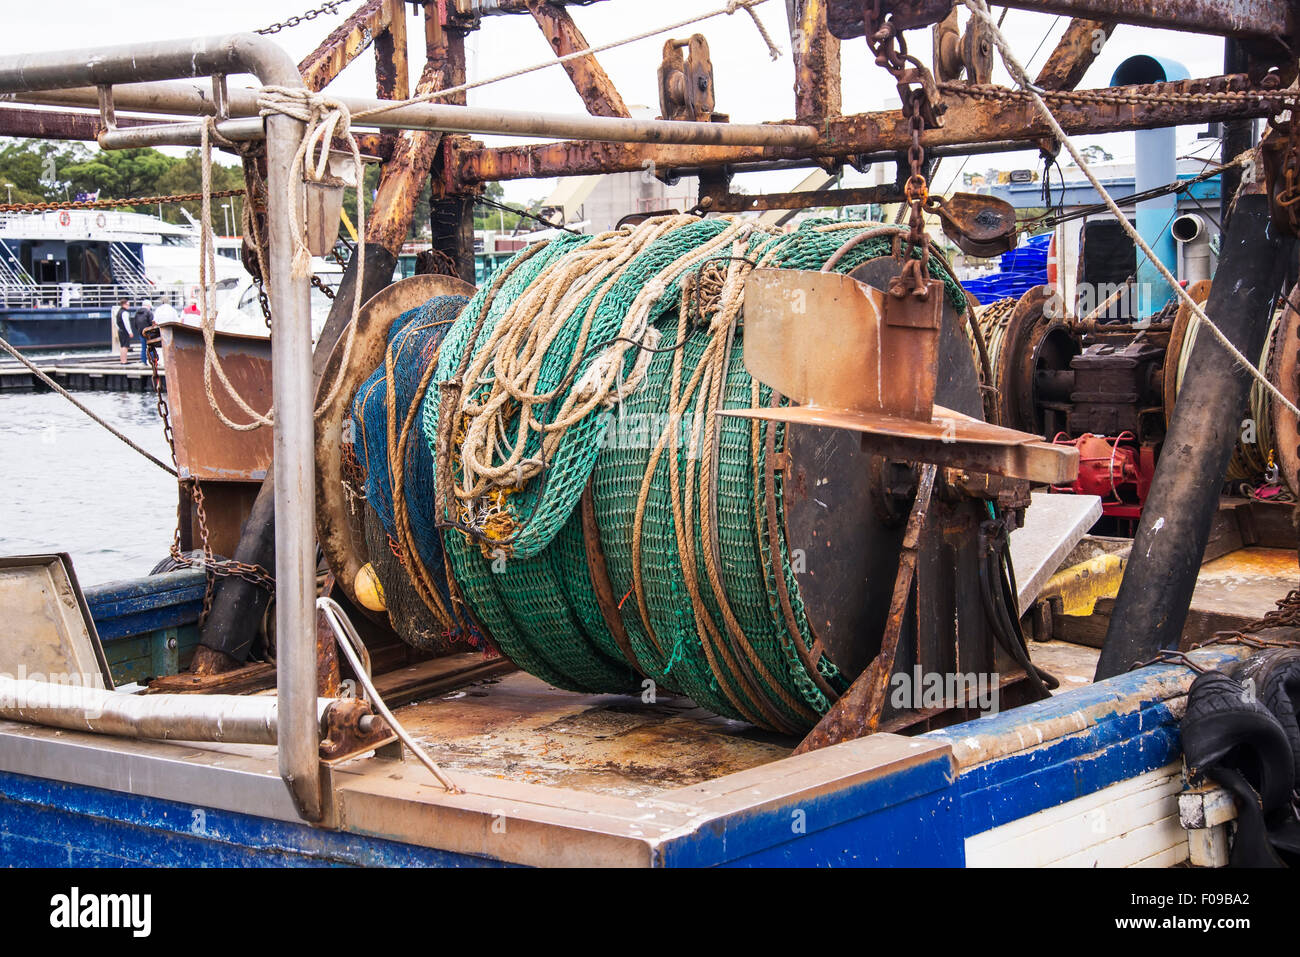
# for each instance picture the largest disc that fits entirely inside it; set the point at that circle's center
(122, 327)
(142, 318)
(165, 312)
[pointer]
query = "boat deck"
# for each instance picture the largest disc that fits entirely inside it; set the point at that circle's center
(518, 727)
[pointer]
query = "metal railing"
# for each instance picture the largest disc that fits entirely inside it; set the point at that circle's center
(82, 296)
(128, 269)
(12, 273)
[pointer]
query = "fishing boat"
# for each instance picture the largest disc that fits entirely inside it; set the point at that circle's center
(700, 542)
(63, 272)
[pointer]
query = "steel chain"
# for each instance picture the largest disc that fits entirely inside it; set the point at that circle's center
(330, 6)
(918, 95)
(115, 203)
(320, 284)
(263, 300)
(1113, 98)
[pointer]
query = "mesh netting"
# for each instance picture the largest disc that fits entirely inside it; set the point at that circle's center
(708, 621)
(379, 413)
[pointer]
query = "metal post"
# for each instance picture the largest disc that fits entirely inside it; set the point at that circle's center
(1238, 135)
(295, 492)
(1157, 588)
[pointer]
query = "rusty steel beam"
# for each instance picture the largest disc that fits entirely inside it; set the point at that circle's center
(721, 201)
(970, 120)
(392, 72)
(1077, 49)
(59, 125)
(816, 61)
(348, 41)
(487, 8)
(589, 77)
(1247, 19)
(407, 170)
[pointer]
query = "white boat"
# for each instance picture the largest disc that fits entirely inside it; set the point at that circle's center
(63, 271)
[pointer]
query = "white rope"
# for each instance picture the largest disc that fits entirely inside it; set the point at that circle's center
(734, 5)
(326, 119)
(1022, 78)
(207, 267)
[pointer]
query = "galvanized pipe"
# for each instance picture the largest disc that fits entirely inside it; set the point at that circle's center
(232, 719)
(178, 134)
(294, 469)
(290, 355)
(189, 99)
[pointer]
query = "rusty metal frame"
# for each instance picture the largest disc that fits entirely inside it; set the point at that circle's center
(589, 77)
(352, 37)
(971, 119)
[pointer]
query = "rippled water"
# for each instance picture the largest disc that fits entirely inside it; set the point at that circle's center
(67, 485)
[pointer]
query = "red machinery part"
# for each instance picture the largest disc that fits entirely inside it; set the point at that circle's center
(1117, 470)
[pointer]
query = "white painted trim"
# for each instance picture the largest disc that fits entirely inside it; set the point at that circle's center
(1133, 823)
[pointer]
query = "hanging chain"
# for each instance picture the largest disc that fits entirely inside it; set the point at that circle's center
(915, 272)
(211, 566)
(263, 300)
(320, 284)
(921, 105)
(330, 6)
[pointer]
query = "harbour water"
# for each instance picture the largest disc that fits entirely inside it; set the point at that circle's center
(67, 485)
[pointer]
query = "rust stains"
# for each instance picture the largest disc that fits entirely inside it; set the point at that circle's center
(589, 77)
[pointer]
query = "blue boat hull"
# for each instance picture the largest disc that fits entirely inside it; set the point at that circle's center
(56, 328)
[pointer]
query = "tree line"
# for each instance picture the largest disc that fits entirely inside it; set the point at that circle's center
(47, 171)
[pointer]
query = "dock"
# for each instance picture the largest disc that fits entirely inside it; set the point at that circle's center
(91, 373)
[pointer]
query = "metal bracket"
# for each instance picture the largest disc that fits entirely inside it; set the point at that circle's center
(686, 82)
(107, 112)
(220, 97)
(349, 728)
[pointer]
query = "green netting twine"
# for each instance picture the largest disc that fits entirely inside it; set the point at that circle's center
(541, 607)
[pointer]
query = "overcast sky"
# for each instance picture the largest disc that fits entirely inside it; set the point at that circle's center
(750, 86)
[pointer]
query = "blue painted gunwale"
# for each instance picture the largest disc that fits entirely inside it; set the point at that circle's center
(1108, 732)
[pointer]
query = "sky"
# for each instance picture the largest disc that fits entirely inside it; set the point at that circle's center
(749, 85)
